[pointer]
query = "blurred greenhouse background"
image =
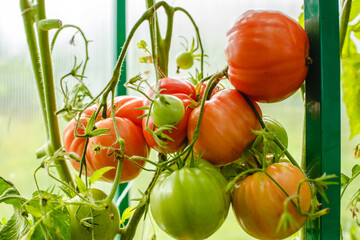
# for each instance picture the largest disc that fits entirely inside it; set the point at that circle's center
(21, 123)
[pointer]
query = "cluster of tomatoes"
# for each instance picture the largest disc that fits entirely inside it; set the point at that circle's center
(267, 54)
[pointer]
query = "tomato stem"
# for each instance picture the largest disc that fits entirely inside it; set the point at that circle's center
(45, 81)
(276, 140)
(344, 21)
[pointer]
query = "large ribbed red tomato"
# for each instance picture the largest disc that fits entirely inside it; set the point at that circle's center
(135, 145)
(129, 129)
(267, 53)
(225, 129)
(258, 202)
(185, 91)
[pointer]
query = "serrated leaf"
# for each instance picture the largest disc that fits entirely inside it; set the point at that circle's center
(80, 184)
(54, 222)
(15, 228)
(8, 188)
(344, 179)
(99, 173)
(355, 169)
(126, 214)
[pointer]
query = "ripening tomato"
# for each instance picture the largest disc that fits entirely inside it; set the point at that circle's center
(135, 145)
(185, 91)
(98, 224)
(191, 202)
(178, 134)
(225, 129)
(172, 85)
(258, 203)
(268, 55)
(128, 125)
(126, 107)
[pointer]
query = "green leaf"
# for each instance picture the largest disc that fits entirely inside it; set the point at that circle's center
(344, 179)
(355, 9)
(355, 169)
(351, 88)
(54, 222)
(142, 44)
(80, 184)
(8, 188)
(99, 173)
(301, 19)
(98, 132)
(126, 215)
(15, 228)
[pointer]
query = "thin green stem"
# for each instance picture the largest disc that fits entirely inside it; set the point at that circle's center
(276, 140)
(28, 18)
(346, 186)
(344, 21)
(197, 36)
(128, 232)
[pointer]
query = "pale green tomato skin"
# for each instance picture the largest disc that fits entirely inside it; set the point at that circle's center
(280, 133)
(106, 221)
(190, 203)
(184, 60)
(167, 110)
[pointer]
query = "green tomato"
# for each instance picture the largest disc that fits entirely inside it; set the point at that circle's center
(167, 110)
(93, 224)
(184, 60)
(191, 202)
(279, 131)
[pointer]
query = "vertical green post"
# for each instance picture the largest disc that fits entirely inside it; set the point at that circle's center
(323, 110)
(121, 90)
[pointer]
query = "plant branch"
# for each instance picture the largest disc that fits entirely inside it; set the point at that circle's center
(344, 22)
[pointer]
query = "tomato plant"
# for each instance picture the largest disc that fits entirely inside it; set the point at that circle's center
(167, 110)
(268, 55)
(91, 223)
(225, 129)
(258, 201)
(191, 202)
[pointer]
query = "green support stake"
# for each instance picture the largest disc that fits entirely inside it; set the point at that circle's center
(323, 110)
(121, 90)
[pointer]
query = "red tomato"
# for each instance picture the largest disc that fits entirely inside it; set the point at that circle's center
(125, 114)
(267, 53)
(258, 201)
(75, 144)
(135, 145)
(225, 129)
(184, 90)
(175, 85)
(125, 106)
(201, 92)
(178, 134)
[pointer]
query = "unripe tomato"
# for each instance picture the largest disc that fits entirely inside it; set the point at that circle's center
(184, 60)
(167, 110)
(190, 203)
(258, 203)
(185, 91)
(178, 134)
(88, 223)
(225, 129)
(268, 55)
